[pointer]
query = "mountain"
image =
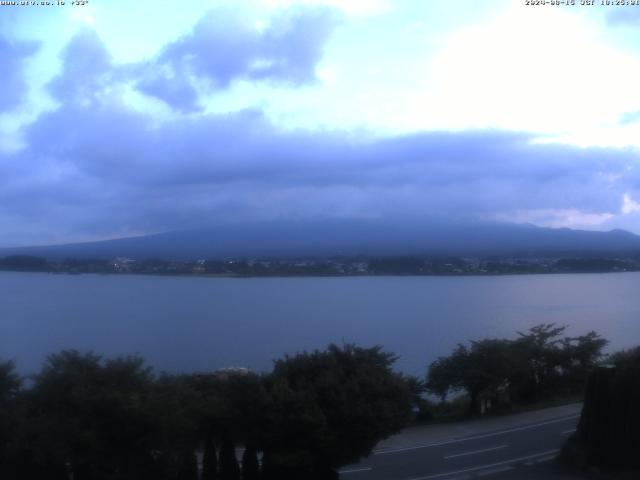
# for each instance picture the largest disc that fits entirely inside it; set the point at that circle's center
(351, 237)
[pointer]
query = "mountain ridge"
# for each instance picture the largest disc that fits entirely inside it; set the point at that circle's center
(368, 237)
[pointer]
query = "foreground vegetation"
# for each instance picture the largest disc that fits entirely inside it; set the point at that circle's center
(608, 433)
(88, 418)
(540, 365)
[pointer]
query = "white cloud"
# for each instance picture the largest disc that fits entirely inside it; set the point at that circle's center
(356, 8)
(84, 15)
(542, 70)
(557, 218)
(327, 74)
(629, 205)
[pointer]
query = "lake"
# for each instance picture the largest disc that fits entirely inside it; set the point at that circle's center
(198, 324)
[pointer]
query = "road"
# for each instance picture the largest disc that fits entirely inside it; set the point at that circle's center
(519, 443)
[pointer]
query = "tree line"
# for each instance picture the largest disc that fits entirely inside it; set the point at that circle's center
(538, 364)
(320, 266)
(83, 417)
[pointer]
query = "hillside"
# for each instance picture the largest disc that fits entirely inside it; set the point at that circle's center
(351, 237)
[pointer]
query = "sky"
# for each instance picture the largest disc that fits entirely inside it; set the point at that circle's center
(121, 118)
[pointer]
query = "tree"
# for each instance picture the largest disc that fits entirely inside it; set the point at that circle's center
(538, 356)
(209, 459)
(250, 465)
(232, 409)
(10, 384)
(329, 408)
(175, 404)
(188, 466)
(581, 355)
(229, 468)
(607, 435)
(537, 363)
(441, 377)
(24, 263)
(547, 362)
(481, 370)
(627, 360)
(420, 406)
(89, 418)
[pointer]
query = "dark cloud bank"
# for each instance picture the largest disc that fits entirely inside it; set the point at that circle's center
(12, 57)
(95, 168)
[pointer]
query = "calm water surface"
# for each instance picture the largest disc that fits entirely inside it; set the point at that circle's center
(187, 323)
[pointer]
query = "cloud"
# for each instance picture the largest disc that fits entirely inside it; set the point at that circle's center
(502, 73)
(629, 205)
(629, 117)
(355, 8)
(86, 69)
(113, 168)
(113, 171)
(12, 58)
(224, 47)
(558, 218)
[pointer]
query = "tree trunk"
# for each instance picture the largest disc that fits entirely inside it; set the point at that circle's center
(474, 401)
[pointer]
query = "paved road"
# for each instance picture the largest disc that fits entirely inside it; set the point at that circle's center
(485, 453)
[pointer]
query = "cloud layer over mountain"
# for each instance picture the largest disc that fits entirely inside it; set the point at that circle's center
(140, 147)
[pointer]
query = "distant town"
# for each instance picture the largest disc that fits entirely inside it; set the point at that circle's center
(338, 266)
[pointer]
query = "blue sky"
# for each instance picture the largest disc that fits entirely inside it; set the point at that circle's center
(122, 118)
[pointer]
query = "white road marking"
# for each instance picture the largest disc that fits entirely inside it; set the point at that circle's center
(476, 451)
(545, 459)
(493, 471)
(488, 466)
(567, 432)
(476, 437)
(354, 470)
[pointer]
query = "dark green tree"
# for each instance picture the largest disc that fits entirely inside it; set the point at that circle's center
(175, 405)
(607, 435)
(236, 408)
(580, 356)
(209, 458)
(242, 408)
(250, 465)
(627, 360)
(229, 468)
(481, 370)
(10, 384)
(444, 374)
(188, 466)
(88, 417)
(539, 363)
(538, 356)
(330, 408)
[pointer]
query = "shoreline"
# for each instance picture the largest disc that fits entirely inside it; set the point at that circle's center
(328, 275)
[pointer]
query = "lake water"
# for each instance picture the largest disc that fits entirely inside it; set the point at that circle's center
(197, 324)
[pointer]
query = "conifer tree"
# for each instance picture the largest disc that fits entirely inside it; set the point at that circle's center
(229, 468)
(250, 466)
(209, 459)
